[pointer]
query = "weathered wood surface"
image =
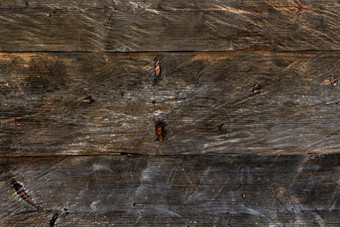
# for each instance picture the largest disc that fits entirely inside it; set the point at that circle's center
(205, 101)
(173, 25)
(299, 190)
(199, 120)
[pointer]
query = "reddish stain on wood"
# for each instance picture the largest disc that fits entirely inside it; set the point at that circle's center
(160, 130)
(157, 69)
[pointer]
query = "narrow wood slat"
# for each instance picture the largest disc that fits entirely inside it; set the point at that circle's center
(171, 25)
(204, 101)
(298, 190)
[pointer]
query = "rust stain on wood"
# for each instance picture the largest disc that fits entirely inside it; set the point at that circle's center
(160, 130)
(158, 75)
(157, 69)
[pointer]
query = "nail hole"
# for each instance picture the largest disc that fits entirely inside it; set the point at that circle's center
(134, 204)
(334, 81)
(153, 102)
(223, 128)
(51, 13)
(88, 99)
(66, 212)
(257, 89)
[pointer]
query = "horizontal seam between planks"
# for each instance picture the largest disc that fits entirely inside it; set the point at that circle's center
(172, 51)
(167, 156)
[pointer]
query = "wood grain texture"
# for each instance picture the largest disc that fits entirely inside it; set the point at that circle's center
(299, 190)
(77, 103)
(169, 113)
(173, 25)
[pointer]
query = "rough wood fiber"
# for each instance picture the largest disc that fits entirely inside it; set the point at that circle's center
(169, 25)
(73, 103)
(299, 190)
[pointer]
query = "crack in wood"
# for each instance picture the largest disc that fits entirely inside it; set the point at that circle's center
(21, 191)
(54, 219)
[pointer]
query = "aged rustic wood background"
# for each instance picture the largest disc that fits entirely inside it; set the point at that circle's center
(169, 113)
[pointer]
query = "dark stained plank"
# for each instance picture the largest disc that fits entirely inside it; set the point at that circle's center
(173, 25)
(200, 103)
(264, 190)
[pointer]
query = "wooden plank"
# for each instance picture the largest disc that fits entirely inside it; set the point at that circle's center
(154, 25)
(87, 103)
(298, 190)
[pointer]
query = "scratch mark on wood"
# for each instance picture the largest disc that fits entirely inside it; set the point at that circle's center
(139, 216)
(172, 176)
(220, 189)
